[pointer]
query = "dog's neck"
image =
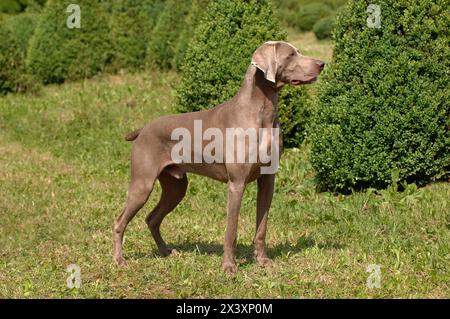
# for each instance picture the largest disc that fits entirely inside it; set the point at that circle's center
(259, 97)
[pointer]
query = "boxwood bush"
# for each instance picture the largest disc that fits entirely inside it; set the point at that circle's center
(220, 53)
(57, 53)
(384, 102)
(294, 112)
(288, 9)
(191, 22)
(131, 23)
(309, 14)
(15, 32)
(11, 6)
(323, 28)
(163, 41)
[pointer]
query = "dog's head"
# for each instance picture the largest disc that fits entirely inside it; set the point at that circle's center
(283, 64)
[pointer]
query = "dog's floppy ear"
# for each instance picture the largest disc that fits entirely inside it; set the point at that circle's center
(265, 59)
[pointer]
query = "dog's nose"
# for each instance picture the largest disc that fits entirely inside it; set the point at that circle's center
(321, 65)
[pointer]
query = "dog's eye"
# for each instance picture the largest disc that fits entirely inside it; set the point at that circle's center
(292, 54)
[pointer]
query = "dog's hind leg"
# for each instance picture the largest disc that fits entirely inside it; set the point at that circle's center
(173, 191)
(140, 188)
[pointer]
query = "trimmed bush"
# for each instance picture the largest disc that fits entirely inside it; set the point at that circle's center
(192, 20)
(58, 53)
(294, 112)
(34, 6)
(16, 6)
(163, 41)
(384, 103)
(288, 9)
(132, 22)
(309, 14)
(15, 32)
(335, 4)
(324, 27)
(220, 53)
(11, 6)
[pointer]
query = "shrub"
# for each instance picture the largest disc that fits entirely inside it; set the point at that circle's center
(384, 103)
(16, 6)
(58, 53)
(15, 32)
(294, 112)
(309, 14)
(288, 9)
(193, 18)
(324, 27)
(131, 24)
(335, 4)
(161, 48)
(34, 6)
(11, 6)
(219, 55)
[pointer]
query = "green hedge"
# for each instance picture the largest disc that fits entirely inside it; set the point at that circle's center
(289, 9)
(15, 32)
(384, 102)
(11, 6)
(309, 14)
(131, 23)
(58, 53)
(323, 28)
(16, 6)
(163, 40)
(294, 111)
(220, 53)
(191, 22)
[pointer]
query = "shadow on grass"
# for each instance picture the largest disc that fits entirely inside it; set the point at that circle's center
(246, 251)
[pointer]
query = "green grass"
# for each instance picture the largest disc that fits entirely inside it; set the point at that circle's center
(64, 173)
(64, 178)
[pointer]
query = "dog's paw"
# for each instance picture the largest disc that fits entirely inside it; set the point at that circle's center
(169, 252)
(265, 262)
(120, 261)
(173, 252)
(229, 268)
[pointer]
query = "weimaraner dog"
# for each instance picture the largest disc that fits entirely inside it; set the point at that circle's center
(274, 64)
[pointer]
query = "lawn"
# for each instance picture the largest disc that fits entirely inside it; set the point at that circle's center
(64, 172)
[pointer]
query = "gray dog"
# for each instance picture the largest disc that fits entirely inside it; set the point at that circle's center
(273, 65)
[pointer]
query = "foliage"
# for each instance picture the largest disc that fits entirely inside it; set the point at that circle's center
(324, 27)
(131, 25)
(384, 103)
(11, 6)
(58, 53)
(16, 6)
(191, 22)
(163, 41)
(294, 111)
(309, 14)
(15, 33)
(288, 9)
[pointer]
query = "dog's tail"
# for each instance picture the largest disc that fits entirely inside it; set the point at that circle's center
(133, 135)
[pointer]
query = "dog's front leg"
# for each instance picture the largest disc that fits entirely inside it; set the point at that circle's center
(235, 192)
(263, 202)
